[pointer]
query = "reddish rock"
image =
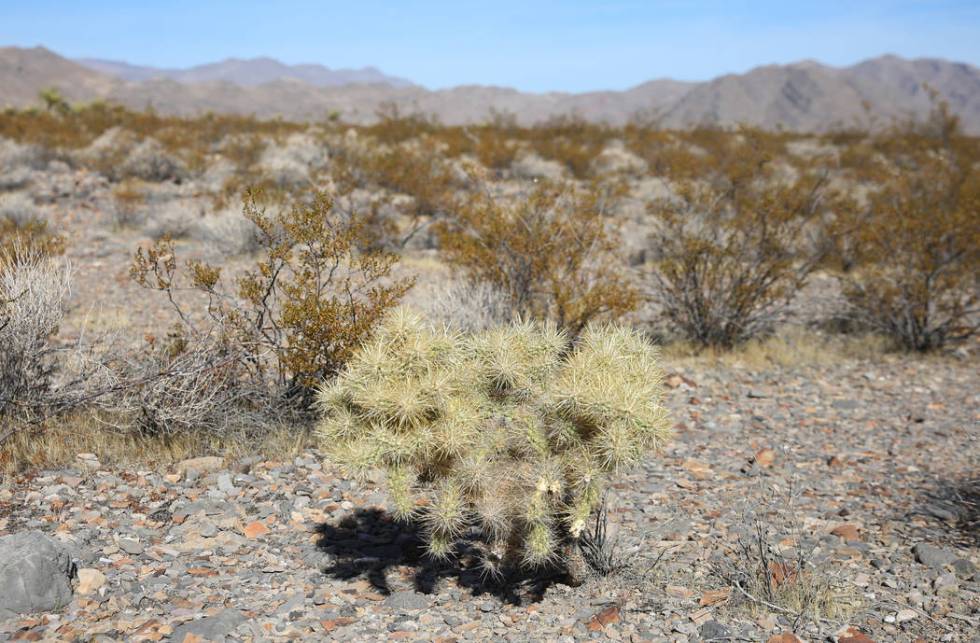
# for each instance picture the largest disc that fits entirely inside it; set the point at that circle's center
(255, 529)
(848, 532)
(851, 634)
(765, 457)
(784, 637)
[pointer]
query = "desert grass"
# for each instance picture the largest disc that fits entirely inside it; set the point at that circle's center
(58, 442)
(791, 346)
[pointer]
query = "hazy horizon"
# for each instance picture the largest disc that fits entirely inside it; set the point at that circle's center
(551, 46)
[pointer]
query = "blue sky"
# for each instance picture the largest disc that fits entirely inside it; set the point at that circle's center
(535, 46)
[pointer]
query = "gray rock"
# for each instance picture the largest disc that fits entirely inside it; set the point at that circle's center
(714, 631)
(214, 628)
(131, 546)
(934, 557)
(35, 574)
(964, 568)
(225, 483)
(407, 600)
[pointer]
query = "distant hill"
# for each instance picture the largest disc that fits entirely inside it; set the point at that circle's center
(247, 72)
(804, 96)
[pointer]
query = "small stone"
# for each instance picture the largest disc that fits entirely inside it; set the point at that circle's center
(934, 557)
(713, 630)
(785, 637)
(905, 615)
(89, 581)
(851, 634)
(130, 546)
(406, 600)
(765, 457)
(255, 529)
(946, 584)
(847, 532)
(225, 484)
(964, 568)
(210, 628)
(206, 464)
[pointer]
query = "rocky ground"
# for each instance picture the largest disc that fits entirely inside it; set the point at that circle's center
(867, 468)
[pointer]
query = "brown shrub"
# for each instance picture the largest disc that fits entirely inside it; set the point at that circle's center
(295, 317)
(552, 254)
(728, 248)
(917, 243)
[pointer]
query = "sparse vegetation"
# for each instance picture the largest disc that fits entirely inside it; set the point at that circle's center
(551, 253)
(298, 315)
(916, 244)
(727, 247)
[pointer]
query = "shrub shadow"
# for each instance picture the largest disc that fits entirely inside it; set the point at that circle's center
(370, 544)
(956, 505)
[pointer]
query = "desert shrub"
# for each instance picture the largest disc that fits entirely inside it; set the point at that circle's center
(228, 232)
(172, 219)
(299, 313)
(33, 295)
(150, 161)
(467, 305)
(571, 141)
(727, 259)
(551, 254)
(512, 431)
(128, 203)
(23, 230)
(917, 243)
(290, 164)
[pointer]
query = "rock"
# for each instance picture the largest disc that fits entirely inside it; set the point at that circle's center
(225, 484)
(847, 532)
(713, 631)
(785, 637)
(934, 557)
(714, 596)
(130, 546)
(407, 600)
(88, 461)
(206, 464)
(964, 568)
(255, 529)
(765, 457)
(35, 574)
(946, 584)
(906, 615)
(89, 580)
(211, 628)
(851, 634)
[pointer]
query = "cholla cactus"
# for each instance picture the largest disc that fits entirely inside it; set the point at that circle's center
(511, 432)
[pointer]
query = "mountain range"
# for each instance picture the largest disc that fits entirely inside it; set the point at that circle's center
(803, 96)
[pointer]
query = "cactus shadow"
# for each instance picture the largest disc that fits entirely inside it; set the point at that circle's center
(373, 545)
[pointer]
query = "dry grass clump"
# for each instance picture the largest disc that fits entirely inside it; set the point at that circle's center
(551, 253)
(765, 581)
(33, 296)
(512, 431)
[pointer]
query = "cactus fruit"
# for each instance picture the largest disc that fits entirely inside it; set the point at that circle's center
(511, 432)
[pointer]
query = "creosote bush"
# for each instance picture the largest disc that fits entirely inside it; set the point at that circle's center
(917, 243)
(552, 253)
(298, 314)
(512, 432)
(728, 248)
